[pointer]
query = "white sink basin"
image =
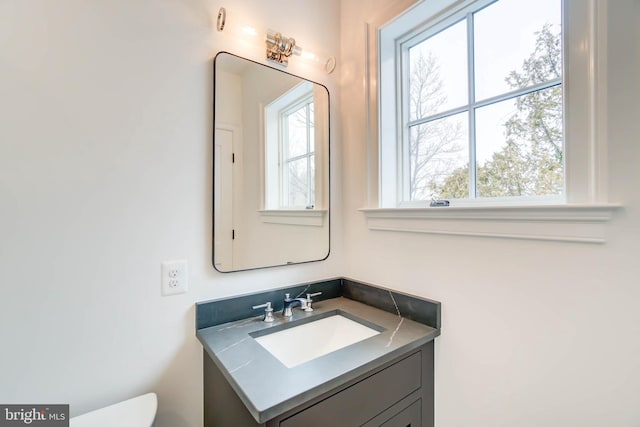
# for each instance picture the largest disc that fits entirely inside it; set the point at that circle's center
(308, 341)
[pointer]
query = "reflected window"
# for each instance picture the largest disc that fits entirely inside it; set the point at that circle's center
(290, 152)
(296, 174)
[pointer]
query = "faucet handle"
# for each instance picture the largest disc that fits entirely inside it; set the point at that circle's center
(308, 307)
(268, 311)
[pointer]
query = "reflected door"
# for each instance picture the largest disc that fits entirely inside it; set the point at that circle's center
(223, 200)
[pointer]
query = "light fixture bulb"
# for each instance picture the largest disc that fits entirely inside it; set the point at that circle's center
(309, 56)
(249, 30)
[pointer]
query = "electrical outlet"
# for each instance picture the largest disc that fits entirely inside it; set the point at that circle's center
(174, 277)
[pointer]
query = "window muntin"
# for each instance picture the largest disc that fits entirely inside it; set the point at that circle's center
(446, 156)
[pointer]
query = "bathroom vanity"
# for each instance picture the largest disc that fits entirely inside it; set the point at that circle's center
(374, 368)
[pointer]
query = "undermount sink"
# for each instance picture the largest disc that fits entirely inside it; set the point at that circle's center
(296, 345)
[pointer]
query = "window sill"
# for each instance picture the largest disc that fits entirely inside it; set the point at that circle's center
(563, 223)
(307, 217)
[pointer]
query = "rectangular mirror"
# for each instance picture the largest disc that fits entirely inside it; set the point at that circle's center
(271, 167)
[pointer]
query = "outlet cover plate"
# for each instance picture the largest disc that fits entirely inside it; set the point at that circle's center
(175, 277)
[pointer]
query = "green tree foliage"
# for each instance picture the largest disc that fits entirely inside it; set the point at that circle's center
(531, 161)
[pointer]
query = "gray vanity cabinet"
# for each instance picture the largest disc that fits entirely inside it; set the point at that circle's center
(397, 394)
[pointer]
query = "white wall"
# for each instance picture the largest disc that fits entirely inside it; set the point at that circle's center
(534, 333)
(105, 171)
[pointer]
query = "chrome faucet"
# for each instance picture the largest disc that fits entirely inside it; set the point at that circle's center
(305, 303)
(292, 302)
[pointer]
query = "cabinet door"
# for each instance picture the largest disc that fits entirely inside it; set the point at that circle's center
(409, 417)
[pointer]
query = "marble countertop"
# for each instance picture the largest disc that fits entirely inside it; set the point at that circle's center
(269, 389)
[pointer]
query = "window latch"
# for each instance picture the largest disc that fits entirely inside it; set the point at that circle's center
(438, 203)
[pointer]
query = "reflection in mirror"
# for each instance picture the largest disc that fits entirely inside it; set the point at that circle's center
(271, 167)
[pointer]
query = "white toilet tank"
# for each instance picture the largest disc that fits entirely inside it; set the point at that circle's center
(137, 412)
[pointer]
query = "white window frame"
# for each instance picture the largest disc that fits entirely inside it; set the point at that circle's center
(586, 210)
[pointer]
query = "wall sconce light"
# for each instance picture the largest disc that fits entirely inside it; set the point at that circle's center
(280, 48)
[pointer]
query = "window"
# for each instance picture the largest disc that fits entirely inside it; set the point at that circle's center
(297, 147)
(480, 97)
(290, 166)
(484, 119)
